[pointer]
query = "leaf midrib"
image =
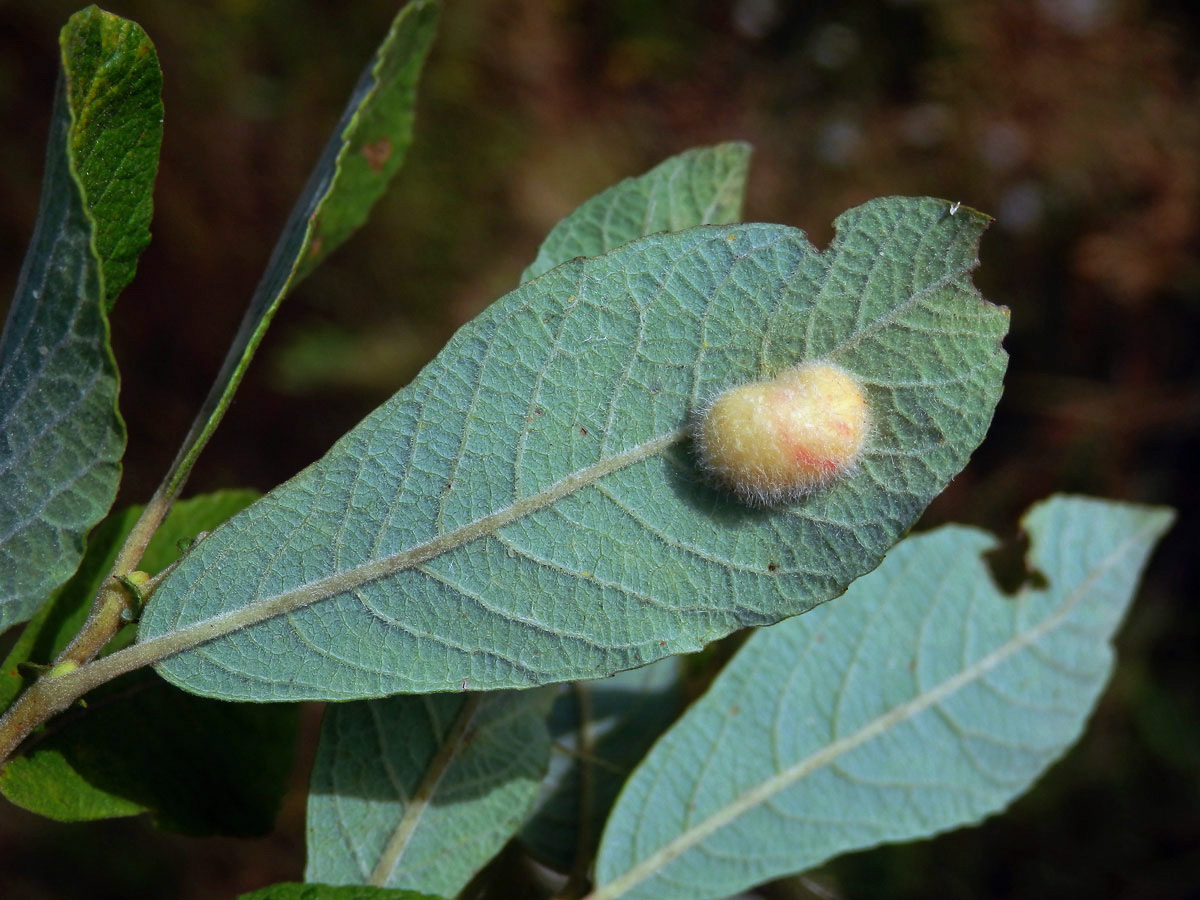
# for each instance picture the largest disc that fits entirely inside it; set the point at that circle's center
(772, 786)
(191, 636)
(447, 752)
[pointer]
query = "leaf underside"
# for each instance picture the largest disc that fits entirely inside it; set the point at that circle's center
(423, 791)
(61, 438)
(367, 808)
(601, 728)
(702, 186)
(527, 511)
(206, 767)
(922, 700)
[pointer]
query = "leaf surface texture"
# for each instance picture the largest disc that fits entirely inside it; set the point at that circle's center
(420, 792)
(61, 437)
(528, 511)
(922, 700)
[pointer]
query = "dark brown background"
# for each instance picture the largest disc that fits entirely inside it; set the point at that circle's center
(1074, 122)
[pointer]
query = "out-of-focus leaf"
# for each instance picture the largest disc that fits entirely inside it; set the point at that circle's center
(292, 891)
(601, 730)
(420, 792)
(528, 510)
(197, 766)
(703, 186)
(62, 437)
(922, 700)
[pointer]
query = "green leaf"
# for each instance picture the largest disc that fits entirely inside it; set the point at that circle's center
(703, 186)
(198, 766)
(922, 700)
(205, 767)
(366, 150)
(62, 435)
(601, 730)
(681, 192)
(114, 90)
(421, 792)
(59, 620)
(291, 891)
(527, 511)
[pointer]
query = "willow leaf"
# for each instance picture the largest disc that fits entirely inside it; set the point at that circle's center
(922, 700)
(62, 437)
(366, 150)
(527, 511)
(702, 186)
(420, 792)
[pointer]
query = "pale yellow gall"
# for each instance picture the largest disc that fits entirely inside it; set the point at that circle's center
(773, 442)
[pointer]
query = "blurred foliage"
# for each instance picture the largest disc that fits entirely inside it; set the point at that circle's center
(1075, 122)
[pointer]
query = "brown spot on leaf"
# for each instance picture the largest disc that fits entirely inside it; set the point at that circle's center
(772, 567)
(376, 153)
(314, 249)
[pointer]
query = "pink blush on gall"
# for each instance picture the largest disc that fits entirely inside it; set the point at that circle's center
(772, 442)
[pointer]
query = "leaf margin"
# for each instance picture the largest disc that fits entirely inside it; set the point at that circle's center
(638, 880)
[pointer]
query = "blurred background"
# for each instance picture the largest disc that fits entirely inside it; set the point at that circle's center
(1076, 123)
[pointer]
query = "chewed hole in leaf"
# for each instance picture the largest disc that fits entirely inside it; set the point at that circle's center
(1008, 563)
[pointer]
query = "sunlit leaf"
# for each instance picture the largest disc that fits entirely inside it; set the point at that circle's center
(922, 700)
(703, 186)
(601, 728)
(700, 186)
(528, 511)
